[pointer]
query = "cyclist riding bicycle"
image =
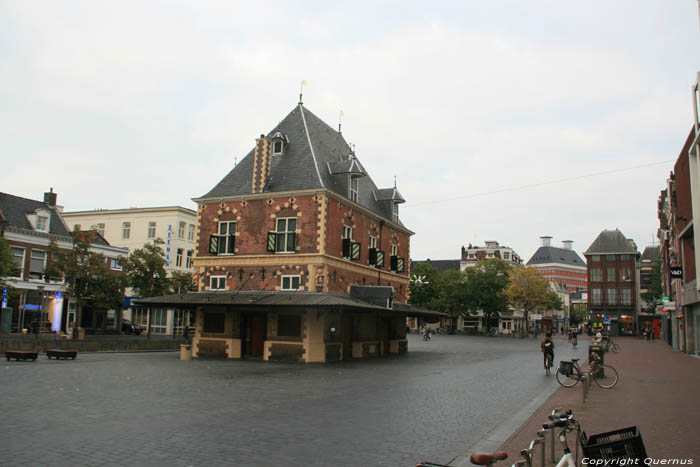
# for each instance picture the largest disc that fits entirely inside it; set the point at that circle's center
(547, 346)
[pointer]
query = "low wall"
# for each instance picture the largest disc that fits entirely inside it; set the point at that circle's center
(91, 344)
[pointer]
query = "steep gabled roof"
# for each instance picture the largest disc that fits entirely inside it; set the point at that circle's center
(651, 253)
(550, 254)
(611, 242)
(316, 156)
(15, 209)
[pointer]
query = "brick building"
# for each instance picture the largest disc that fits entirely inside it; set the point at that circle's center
(300, 226)
(560, 265)
(611, 267)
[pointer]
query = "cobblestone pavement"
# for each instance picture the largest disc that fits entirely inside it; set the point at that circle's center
(151, 409)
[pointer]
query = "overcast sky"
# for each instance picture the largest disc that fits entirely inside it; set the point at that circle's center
(502, 120)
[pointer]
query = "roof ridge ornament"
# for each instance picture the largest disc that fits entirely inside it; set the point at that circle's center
(301, 91)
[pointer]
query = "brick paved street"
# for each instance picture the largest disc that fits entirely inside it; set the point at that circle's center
(111, 409)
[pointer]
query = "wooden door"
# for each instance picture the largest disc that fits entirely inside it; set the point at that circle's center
(257, 335)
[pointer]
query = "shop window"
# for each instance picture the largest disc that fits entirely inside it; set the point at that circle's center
(214, 322)
(288, 325)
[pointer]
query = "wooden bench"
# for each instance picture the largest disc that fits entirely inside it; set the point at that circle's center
(65, 354)
(21, 355)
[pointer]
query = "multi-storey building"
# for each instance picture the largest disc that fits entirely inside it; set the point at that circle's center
(28, 226)
(678, 238)
(646, 311)
(134, 227)
(473, 254)
(611, 265)
(560, 265)
(299, 254)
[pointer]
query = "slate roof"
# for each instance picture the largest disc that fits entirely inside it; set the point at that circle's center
(610, 242)
(316, 156)
(440, 265)
(278, 300)
(377, 295)
(15, 209)
(551, 254)
(652, 253)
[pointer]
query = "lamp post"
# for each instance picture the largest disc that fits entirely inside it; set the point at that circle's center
(37, 329)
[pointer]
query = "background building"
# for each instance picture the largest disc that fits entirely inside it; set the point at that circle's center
(473, 254)
(28, 226)
(612, 260)
(132, 229)
(560, 265)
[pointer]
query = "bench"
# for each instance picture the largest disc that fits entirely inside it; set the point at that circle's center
(65, 354)
(21, 355)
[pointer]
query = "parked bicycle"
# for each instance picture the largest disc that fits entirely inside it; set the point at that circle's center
(570, 373)
(610, 345)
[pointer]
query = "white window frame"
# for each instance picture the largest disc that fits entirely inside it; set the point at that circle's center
(290, 282)
(596, 300)
(275, 151)
(188, 260)
(126, 230)
(394, 249)
(224, 230)
(24, 259)
(372, 242)
(190, 232)
(43, 268)
(160, 321)
(284, 234)
(42, 222)
(395, 212)
(151, 230)
(611, 296)
(218, 281)
(114, 264)
(596, 275)
(354, 188)
(181, 229)
(626, 296)
(180, 252)
(347, 231)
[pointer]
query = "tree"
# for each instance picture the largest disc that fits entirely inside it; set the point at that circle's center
(87, 275)
(181, 282)
(8, 266)
(654, 290)
(145, 270)
(485, 287)
(451, 294)
(528, 290)
(423, 287)
(554, 301)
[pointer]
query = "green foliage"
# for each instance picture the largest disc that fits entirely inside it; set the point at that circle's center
(181, 282)
(485, 287)
(577, 314)
(451, 293)
(88, 277)
(554, 301)
(528, 290)
(145, 270)
(653, 293)
(8, 267)
(423, 295)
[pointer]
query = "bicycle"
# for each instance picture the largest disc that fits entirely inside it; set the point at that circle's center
(611, 345)
(568, 424)
(568, 374)
(548, 363)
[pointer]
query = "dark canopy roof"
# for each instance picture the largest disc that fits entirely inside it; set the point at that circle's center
(272, 299)
(551, 254)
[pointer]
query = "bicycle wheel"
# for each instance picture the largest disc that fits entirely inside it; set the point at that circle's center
(605, 376)
(568, 381)
(615, 348)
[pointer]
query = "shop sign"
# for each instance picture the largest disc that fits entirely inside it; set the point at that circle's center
(676, 272)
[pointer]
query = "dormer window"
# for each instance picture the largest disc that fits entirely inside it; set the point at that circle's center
(279, 141)
(353, 188)
(395, 212)
(42, 223)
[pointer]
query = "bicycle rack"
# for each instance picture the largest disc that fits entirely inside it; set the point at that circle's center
(541, 439)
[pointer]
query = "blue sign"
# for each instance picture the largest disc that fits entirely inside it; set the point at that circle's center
(606, 320)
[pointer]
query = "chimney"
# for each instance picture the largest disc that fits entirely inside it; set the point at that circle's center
(546, 241)
(50, 197)
(261, 164)
(567, 244)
